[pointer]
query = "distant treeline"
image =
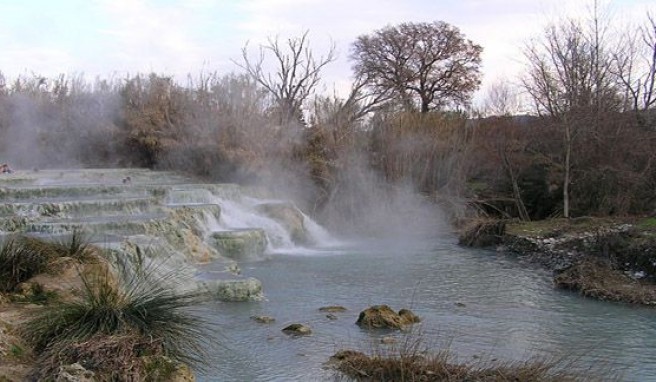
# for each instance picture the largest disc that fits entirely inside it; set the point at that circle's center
(589, 147)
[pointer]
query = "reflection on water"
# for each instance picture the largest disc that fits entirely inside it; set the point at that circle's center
(479, 304)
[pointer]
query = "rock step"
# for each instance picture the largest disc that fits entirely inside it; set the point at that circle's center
(92, 176)
(118, 225)
(86, 191)
(235, 288)
(200, 193)
(239, 244)
(81, 208)
(111, 191)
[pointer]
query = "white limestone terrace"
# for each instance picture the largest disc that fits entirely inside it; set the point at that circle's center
(173, 218)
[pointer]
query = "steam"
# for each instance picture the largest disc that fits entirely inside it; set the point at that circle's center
(366, 205)
(46, 126)
(221, 129)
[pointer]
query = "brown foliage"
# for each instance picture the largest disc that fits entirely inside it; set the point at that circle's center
(431, 65)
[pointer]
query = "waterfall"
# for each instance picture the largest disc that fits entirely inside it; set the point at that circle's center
(243, 214)
(239, 215)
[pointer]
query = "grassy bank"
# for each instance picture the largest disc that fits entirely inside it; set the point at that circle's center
(112, 318)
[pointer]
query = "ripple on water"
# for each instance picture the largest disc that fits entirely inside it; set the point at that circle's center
(477, 303)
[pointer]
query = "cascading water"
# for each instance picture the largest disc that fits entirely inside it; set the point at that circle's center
(243, 214)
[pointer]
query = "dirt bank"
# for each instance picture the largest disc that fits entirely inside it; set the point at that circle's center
(603, 258)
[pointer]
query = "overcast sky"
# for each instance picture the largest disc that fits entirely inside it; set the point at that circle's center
(105, 37)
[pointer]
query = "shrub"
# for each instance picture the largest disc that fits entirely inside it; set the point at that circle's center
(22, 257)
(126, 315)
(19, 261)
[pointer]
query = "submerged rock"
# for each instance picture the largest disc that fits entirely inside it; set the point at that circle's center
(297, 330)
(333, 309)
(263, 319)
(246, 289)
(383, 317)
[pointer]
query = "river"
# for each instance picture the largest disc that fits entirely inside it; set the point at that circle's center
(479, 304)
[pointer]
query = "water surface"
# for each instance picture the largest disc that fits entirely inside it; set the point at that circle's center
(480, 304)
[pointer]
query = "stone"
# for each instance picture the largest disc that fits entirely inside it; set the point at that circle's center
(408, 317)
(383, 317)
(263, 319)
(388, 340)
(297, 330)
(379, 317)
(239, 244)
(241, 289)
(75, 373)
(331, 317)
(167, 370)
(290, 217)
(333, 309)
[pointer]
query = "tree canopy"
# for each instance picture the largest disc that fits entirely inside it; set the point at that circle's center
(424, 65)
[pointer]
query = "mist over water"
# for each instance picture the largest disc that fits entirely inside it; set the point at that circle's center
(366, 206)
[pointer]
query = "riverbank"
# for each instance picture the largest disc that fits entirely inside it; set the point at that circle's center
(611, 259)
(70, 311)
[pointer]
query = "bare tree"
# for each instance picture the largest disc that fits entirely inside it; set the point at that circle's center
(569, 81)
(501, 99)
(427, 64)
(634, 65)
(296, 76)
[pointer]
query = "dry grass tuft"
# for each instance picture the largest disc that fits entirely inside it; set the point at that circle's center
(438, 367)
(112, 358)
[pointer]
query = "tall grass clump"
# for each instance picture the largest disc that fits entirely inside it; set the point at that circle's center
(23, 257)
(123, 316)
(19, 261)
(410, 361)
(76, 246)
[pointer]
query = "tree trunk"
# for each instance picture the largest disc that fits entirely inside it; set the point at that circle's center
(521, 208)
(425, 106)
(566, 181)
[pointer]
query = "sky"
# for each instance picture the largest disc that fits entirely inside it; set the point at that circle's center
(178, 37)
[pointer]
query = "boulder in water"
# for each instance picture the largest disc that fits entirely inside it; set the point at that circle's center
(408, 317)
(297, 330)
(383, 317)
